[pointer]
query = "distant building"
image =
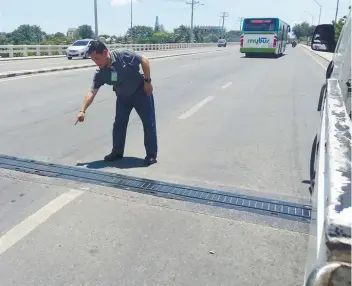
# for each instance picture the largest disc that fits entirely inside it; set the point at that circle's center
(70, 32)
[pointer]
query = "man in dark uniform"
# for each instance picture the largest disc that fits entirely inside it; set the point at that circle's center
(120, 69)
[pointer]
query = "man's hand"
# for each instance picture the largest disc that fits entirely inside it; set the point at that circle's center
(80, 117)
(148, 88)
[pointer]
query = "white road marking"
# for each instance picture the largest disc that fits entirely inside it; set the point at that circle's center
(184, 66)
(314, 58)
(19, 231)
(195, 108)
(226, 85)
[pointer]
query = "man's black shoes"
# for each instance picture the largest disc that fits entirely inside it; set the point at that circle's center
(150, 160)
(113, 156)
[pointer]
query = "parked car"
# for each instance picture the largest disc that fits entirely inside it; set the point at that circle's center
(78, 49)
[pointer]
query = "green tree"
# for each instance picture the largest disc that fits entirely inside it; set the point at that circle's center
(303, 30)
(233, 36)
(27, 34)
(159, 38)
(4, 39)
(140, 34)
(57, 39)
(211, 38)
(199, 34)
(182, 34)
(338, 26)
(85, 32)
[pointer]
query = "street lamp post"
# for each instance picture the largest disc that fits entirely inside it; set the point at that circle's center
(311, 16)
(131, 22)
(337, 10)
(96, 18)
(320, 6)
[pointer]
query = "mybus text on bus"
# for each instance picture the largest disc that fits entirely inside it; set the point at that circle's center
(264, 36)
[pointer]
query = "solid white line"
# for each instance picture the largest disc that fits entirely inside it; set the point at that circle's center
(314, 58)
(33, 221)
(195, 108)
(226, 85)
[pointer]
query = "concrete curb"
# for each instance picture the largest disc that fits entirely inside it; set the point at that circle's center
(309, 49)
(63, 68)
(30, 58)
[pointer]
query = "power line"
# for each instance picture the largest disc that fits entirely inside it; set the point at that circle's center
(223, 16)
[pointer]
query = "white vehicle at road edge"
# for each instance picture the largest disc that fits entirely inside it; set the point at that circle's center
(78, 49)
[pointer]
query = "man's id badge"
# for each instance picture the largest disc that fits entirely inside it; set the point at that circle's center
(114, 76)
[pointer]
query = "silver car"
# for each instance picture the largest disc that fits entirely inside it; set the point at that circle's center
(222, 43)
(78, 49)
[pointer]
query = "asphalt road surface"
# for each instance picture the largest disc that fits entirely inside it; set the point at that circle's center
(33, 64)
(224, 121)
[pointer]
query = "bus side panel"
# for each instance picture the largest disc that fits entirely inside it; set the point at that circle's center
(258, 43)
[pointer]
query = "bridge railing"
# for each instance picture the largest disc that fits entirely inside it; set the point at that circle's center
(10, 51)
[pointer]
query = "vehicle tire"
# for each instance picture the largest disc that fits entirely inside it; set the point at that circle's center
(69, 58)
(85, 56)
(321, 97)
(312, 169)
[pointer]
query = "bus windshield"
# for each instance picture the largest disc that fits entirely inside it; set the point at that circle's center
(259, 25)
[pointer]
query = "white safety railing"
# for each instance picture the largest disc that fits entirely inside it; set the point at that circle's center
(10, 51)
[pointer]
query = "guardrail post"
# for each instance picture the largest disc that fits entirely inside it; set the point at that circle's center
(25, 50)
(11, 51)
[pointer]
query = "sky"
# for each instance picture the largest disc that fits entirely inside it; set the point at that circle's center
(114, 15)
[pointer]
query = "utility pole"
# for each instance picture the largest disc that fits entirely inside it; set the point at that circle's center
(131, 23)
(193, 3)
(96, 18)
(337, 10)
(223, 16)
(320, 6)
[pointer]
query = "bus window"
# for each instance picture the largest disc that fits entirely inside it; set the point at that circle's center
(259, 25)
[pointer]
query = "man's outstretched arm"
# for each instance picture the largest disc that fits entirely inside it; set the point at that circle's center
(89, 98)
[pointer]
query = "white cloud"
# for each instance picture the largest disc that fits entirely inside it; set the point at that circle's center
(121, 2)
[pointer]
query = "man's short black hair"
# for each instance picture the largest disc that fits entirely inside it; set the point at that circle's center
(96, 46)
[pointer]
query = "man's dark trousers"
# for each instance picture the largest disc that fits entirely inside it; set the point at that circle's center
(144, 106)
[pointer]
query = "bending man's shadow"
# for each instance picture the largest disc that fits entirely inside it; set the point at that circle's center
(124, 163)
